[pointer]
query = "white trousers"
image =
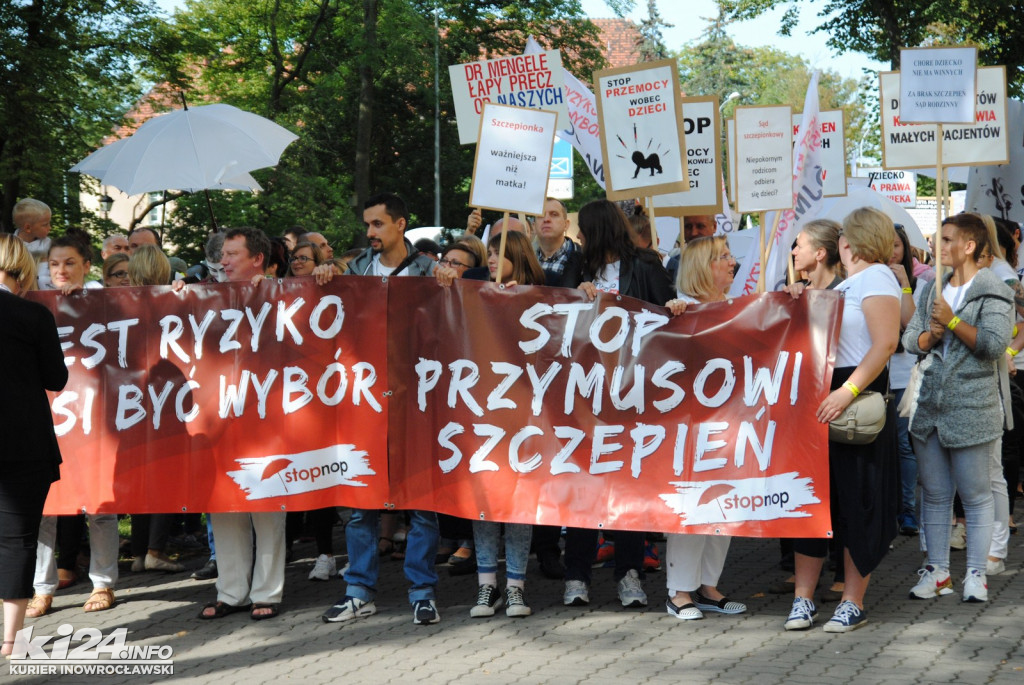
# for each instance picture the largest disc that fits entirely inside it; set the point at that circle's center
(240, 580)
(103, 547)
(694, 560)
(1001, 520)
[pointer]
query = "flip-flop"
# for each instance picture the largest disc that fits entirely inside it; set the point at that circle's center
(221, 609)
(259, 617)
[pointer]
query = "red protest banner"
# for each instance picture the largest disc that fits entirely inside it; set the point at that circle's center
(533, 405)
(226, 397)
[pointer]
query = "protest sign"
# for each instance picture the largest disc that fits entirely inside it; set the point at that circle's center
(613, 414)
(533, 81)
(832, 155)
(232, 397)
(937, 85)
(999, 190)
(913, 146)
(641, 133)
(764, 158)
(513, 159)
(703, 134)
(730, 148)
(898, 185)
(225, 397)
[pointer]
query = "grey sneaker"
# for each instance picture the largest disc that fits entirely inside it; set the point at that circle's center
(488, 599)
(515, 603)
(347, 609)
(576, 594)
(631, 590)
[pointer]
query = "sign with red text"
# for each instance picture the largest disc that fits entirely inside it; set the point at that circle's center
(641, 132)
(226, 397)
(703, 132)
(534, 81)
(896, 184)
(613, 414)
(831, 155)
(938, 85)
(764, 158)
(513, 159)
(913, 146)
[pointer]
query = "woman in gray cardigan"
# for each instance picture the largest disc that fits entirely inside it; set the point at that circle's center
(959, 417)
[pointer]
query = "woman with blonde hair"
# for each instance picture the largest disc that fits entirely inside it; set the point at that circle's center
(149, 266)
(115, 270)
(32, 363)
(695, 562)
(863, 478)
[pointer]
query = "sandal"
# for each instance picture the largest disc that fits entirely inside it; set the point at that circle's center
(38, 606)
(7, 655)
(267, 614)
(101, 599)
(220, 610)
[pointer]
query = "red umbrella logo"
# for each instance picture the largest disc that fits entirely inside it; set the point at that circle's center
(713, 493)
(275, 467)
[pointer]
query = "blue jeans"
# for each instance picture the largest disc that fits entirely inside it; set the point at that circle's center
(908, 465)
(966, 471)
(361, 535)
(486, 535)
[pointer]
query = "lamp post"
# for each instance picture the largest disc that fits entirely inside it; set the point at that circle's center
(732, 96)
(106, 204)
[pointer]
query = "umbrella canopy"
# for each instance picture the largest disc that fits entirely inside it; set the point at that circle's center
(838, 208)
(208, 147)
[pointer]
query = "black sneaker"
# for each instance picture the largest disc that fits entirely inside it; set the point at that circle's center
(488, 599)
(424, 612)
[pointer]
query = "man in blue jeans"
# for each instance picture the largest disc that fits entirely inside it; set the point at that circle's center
(389, 254)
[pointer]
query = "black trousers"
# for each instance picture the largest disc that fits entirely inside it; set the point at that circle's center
(21, 510)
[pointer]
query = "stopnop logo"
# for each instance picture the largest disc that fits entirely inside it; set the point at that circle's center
(748, 499)
(98, 654)
(290, 474)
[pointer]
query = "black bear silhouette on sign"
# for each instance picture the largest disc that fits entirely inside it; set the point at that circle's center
(652, 162)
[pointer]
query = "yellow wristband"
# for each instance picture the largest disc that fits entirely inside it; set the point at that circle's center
(1015, 330)
(852, 388)
(909, 291)
(1012, 352)
(953, 322)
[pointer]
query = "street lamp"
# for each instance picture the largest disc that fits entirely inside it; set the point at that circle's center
(732, 96)
(106, 203)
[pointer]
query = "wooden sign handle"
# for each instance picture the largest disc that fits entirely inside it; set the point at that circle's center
(501, 248)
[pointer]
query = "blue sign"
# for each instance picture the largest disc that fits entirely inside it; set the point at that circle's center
(561, 159)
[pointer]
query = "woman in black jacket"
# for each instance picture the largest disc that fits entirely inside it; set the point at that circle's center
(612, 263)
(31, 362)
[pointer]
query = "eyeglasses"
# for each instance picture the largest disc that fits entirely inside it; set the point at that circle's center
(727, 257)
(452, 262)
(300, 258)
(118, 274)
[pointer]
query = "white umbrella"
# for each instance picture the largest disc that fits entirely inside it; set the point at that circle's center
(837, 208)
(208, 147)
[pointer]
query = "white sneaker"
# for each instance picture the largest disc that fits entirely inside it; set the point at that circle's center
(958, 537)
(631, 590)
(154, 563)
(325, 568)
(139, 565)
(576, 594)
(932, 583)
(975, 586)
(994, 567)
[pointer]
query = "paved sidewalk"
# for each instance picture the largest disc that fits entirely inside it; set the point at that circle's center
(936, 641)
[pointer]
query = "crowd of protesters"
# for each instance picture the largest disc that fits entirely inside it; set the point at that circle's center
(948, 467)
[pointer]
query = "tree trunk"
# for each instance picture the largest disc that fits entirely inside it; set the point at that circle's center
(364, 125)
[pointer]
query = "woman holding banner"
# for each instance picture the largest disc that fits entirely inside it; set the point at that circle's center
(32, 363)
(960, 412)
(695, 562)
(612, 263)
(519, 267)
(864, 478)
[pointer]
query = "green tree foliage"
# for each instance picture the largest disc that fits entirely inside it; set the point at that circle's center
(651, 45)
(300, 63)
(69, 72)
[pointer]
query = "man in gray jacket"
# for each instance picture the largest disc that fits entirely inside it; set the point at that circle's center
(389, 254)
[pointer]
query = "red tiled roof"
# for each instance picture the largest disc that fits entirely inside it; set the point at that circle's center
(620, 37)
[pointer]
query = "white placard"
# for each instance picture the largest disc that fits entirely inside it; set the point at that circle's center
(730, 147)
(938, 85)
(533, 81)
(896, 184)
(703, 162)
(832, 153)
(513, 157)
(764, 158)
(641, 133)
(912, 146)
